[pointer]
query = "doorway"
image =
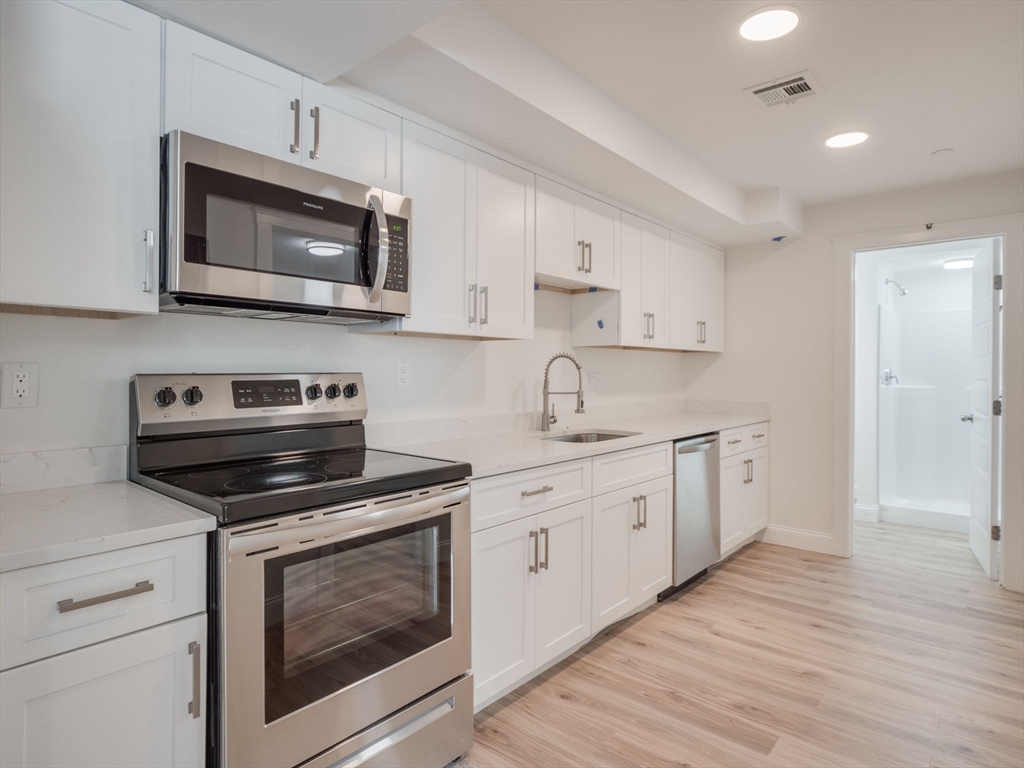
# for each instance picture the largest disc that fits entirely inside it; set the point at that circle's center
(926, 385)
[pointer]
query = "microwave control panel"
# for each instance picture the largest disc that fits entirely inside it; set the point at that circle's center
(398, 255)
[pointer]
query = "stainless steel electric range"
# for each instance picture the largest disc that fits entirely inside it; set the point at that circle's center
(339, 576)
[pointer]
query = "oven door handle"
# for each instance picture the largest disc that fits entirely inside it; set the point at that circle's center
(383, 249)
(360, 523)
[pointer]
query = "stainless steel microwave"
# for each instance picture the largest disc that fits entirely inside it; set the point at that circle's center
(251, 236)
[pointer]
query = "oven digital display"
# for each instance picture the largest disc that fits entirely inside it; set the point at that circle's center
(263, 394)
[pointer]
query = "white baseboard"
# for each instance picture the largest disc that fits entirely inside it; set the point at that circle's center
(866, 513)
(796, 538)
(926, 518)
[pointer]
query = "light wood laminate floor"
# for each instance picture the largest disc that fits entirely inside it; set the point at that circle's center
(904, 654)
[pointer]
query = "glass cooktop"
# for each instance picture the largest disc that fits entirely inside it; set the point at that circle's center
(250, 489)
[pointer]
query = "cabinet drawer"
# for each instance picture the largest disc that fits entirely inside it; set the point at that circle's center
(756, 436)
(146, 586)
(623, 468)
(733, 441)
(503, 498)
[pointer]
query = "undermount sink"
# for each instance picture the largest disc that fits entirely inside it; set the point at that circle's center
(589, 437)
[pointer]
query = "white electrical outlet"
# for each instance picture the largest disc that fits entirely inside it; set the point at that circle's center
(594, 380)
(20, 385)
(402, 373)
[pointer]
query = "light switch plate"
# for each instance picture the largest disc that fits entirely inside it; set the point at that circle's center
(19, 387)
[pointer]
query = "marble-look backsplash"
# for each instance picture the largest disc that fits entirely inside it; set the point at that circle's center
(59, 469)
(83, 466)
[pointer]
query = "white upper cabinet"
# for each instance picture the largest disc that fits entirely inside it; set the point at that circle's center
(698, 296)
(505, 248)
(214, 90)
(656, 283)
(349, 138)
(577, 238)
(79, 155)
(632, 317)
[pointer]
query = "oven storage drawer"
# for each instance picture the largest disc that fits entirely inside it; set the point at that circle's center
(57, 607)
(504, 498)
(432, 732)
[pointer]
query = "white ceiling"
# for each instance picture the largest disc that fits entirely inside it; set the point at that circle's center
(916, 76)
(320, 39)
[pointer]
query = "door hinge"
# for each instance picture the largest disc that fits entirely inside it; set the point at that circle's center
(997, 533)
(997, 282)
(997, 407)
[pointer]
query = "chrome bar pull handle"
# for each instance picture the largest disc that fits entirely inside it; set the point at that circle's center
(547, 543)
(654, 333)
(643, 498)
(315, 152)
(472, 304)
(150, 240)
(195, 651)
(485, 295)
(533, 565)
(636, 525)
(589, 248)
(582, 245)
(298, 127)
(63, 606)
(647, 324)
(538, 491)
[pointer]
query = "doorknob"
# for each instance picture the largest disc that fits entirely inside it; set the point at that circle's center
(967, 417)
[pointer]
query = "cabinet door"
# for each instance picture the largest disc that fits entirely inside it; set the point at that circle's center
(563, 579)
(755, 493)
(215, 90)
(709, 301)
(79, 155)
(684, 333)
(732, 476)
(505, 248)
(439, 174)
(656, 280)
(346, 137)
(124, 702)
(599, 227)
(614, 515)
(559, 250)
(632, 320)
(652, 543)
(504, 606)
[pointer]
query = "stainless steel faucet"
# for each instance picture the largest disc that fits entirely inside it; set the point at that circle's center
(549, 418)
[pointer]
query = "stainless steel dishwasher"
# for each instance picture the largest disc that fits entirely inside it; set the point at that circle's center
(695, 545)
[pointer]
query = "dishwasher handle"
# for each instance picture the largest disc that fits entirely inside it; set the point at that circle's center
(698, 445)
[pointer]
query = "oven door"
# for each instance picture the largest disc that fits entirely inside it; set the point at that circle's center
(246, 227)
(334, 620)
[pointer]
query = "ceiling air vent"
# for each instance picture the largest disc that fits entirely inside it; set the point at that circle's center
(785, 89)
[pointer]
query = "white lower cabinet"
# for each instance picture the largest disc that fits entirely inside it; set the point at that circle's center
(743, 480)
(531, 594)
(124, 702)
(632, 558)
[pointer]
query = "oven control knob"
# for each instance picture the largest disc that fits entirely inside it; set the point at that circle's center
(314, 391)
(333, 391)
(165, 397)
(192, 396)
(350, 390)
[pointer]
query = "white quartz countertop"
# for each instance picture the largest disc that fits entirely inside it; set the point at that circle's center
(39, 527)
(497, 454)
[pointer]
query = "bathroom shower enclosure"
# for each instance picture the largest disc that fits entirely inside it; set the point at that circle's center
(926, 376)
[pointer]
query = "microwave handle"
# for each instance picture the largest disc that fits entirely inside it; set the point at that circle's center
(377, 207)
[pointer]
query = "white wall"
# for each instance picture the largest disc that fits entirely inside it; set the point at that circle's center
(85, 364)
(780, 325)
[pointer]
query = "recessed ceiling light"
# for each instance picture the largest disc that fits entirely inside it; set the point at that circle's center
(769, 23)
(847, 140)
(958, 264)
(321, 248)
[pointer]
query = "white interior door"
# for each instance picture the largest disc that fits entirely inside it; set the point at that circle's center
(985, 428)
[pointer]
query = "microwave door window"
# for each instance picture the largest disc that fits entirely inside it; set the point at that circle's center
(246, 236)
